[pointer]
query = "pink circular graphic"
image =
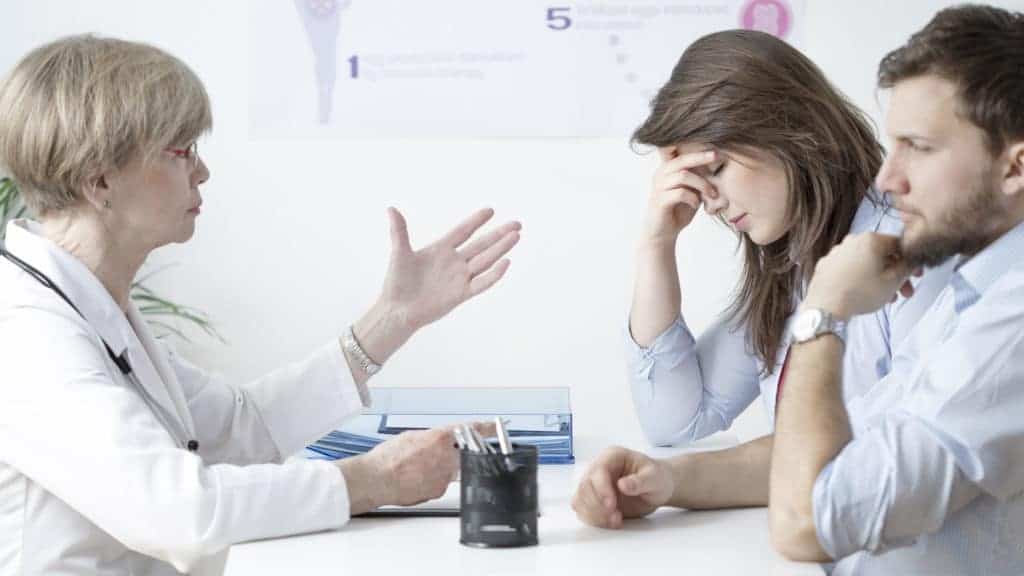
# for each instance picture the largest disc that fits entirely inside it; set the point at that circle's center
(772, 16)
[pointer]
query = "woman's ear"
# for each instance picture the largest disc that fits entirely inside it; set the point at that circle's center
(97, 192)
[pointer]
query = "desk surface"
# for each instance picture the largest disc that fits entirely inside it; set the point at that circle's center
(717, 542)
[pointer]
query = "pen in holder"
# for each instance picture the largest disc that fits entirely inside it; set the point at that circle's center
(499, 498)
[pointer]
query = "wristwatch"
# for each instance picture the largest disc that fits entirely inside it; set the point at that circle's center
(813, 322)
(351, 345)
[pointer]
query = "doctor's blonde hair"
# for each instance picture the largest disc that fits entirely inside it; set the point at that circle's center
(81, 106)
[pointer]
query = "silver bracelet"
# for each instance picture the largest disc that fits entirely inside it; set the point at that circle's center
(351, 345)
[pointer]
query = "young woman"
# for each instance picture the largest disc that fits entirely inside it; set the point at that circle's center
(751, 130)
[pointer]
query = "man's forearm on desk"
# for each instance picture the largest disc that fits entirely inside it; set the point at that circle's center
(732, 478)
(811, 428)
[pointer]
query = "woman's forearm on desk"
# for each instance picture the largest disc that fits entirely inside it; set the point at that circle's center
(733, 478)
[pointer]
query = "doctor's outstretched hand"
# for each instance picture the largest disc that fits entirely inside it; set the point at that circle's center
(621, 484)
(422, 286)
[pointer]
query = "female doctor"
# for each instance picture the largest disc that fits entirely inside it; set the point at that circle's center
(116, 456)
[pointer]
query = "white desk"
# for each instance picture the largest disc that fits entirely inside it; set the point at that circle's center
(670, 541)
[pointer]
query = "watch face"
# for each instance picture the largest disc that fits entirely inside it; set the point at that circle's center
(807, 324)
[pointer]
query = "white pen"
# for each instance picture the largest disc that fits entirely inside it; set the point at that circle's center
(468, 437)
(503, 441)
(459, 438)
(486, 448)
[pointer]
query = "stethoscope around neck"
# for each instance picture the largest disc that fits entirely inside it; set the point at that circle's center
(177, 432)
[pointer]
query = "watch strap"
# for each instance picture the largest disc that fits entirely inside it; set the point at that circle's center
(828, 325)
(351, 345)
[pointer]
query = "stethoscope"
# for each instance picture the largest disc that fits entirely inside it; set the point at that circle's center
(177, 432)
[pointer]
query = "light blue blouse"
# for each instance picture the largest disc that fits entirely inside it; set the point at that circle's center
(686, 388)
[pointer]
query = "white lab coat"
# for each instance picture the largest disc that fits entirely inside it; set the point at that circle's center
(91, 481)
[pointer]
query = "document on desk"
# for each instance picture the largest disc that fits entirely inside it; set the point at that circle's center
(540, 417)
(518, 424)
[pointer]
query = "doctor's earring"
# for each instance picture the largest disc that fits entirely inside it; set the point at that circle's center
(107, 204)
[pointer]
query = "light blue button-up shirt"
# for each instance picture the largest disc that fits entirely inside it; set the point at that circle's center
(686, 388)
(931, 482)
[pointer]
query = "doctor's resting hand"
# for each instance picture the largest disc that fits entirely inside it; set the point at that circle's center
(413, 467)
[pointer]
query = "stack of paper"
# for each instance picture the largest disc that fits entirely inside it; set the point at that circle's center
(537, 416)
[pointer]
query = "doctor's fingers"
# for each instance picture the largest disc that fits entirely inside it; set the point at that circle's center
(399, 231)
(492, 254)
(481, 282)
(444, 462)
(465, 230)
(485, 429)
(487, 240)
(432, 449)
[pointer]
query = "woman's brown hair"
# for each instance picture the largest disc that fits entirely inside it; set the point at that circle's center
(742, 90)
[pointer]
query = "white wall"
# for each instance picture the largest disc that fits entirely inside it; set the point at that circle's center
(292, 242)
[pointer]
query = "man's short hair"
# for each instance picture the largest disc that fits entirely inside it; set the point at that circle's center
(83, 105)
(980, 49)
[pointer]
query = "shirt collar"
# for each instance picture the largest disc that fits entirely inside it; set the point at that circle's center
(982, 270)
(869, 215)
(25, 240)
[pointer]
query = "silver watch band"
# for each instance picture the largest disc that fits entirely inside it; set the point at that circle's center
(833, 326)
(351, 345)
(813, 323)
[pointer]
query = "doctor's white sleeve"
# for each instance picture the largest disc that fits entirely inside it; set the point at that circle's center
(82, 432)
(273, 417)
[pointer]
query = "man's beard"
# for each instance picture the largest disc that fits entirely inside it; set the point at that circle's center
(966, 229)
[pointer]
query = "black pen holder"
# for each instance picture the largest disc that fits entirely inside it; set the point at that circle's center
(498, 498)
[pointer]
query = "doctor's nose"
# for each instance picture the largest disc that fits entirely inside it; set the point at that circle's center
(201, 173)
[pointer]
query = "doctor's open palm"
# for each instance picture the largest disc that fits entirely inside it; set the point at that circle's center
(426, 284)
